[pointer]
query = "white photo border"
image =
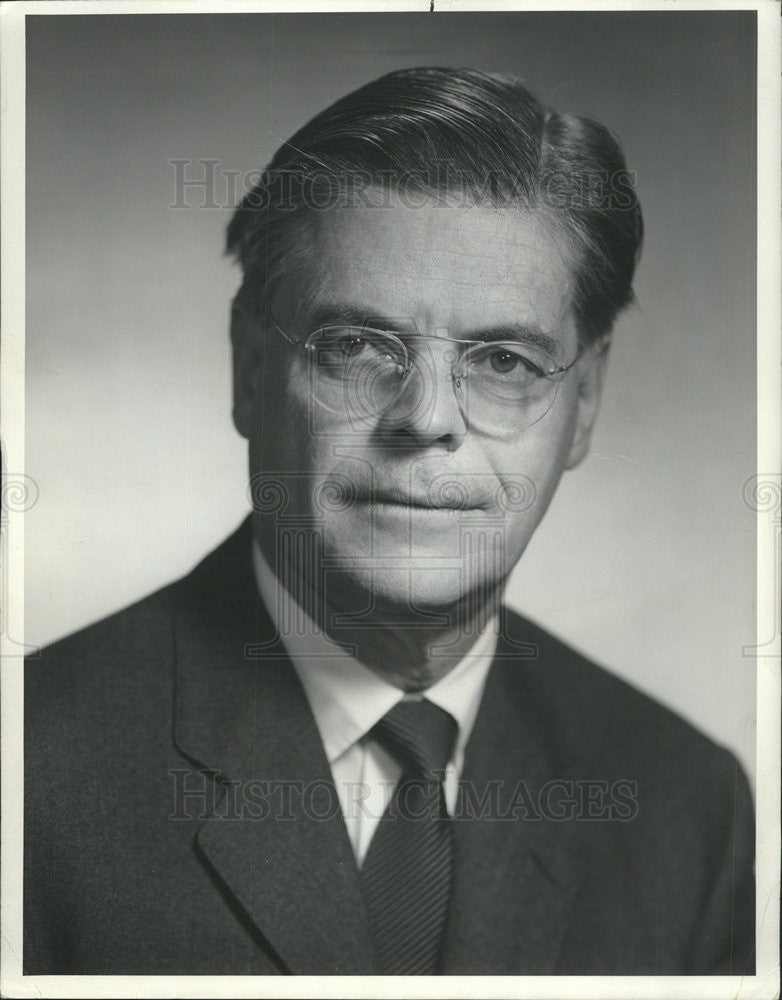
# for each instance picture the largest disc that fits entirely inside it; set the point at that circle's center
(765, 984)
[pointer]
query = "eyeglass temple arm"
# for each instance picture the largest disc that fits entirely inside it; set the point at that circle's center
(600, 343)
(296, 341)
(250, 314)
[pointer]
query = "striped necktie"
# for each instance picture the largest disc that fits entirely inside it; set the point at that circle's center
(407, 871)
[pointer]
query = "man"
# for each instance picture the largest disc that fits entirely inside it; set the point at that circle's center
(330, 749)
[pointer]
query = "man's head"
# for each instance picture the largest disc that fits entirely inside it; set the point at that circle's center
(392, 237)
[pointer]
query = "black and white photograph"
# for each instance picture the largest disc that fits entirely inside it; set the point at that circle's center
(391, 501)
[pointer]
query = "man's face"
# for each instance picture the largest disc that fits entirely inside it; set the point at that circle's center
(415, 505)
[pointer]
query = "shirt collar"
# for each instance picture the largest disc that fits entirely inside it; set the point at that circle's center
(347, 699)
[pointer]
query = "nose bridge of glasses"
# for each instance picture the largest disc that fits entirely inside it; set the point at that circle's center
(435, 354)
(432, 360)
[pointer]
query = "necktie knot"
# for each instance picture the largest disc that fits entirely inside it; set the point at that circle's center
(420, 735)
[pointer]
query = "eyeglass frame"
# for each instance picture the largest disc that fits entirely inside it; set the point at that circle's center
(603, 343)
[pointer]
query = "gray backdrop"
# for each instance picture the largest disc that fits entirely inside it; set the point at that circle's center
(646, 559)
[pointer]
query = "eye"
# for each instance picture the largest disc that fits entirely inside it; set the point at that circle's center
(351, 345)
(357, 353)
(333, 345)
(504, 361)
(346, 341)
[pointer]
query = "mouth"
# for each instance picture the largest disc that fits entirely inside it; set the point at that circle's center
(392, 506)
(396, 500)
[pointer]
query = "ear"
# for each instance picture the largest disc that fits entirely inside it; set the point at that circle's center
(591, 371)
(245, 343)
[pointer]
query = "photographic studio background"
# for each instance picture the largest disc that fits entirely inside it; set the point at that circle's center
(646, 559)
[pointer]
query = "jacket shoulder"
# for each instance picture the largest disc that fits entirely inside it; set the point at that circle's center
(688, 829)
(125, 659)
(592, 713)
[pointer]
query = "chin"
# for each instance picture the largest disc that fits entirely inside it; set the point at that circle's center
(412, 593)
(397, 568)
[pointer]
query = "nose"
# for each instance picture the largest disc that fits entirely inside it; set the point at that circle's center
(428, 412)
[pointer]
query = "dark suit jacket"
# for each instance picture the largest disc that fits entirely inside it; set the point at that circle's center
(188, 690)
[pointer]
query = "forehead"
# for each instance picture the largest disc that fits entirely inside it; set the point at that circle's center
(443, 265)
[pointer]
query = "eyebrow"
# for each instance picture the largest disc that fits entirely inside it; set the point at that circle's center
(339, 313)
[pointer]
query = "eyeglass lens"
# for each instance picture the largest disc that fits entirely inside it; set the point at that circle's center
(359, 374)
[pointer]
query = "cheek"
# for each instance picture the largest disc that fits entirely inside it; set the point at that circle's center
(530, 468)
(281, 417)
(297, 466)
(277, 448)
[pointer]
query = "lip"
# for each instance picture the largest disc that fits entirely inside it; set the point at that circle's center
(393, 506)
(413, 504)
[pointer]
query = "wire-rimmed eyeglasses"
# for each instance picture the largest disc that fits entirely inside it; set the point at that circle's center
(362, 372)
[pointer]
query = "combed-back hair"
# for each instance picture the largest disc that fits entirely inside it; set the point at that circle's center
(453, 133)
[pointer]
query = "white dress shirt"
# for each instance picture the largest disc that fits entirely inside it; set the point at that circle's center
(347, 699)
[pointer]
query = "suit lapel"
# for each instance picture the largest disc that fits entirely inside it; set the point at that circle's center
(286, 861)
(516, 876)
(276, 842)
